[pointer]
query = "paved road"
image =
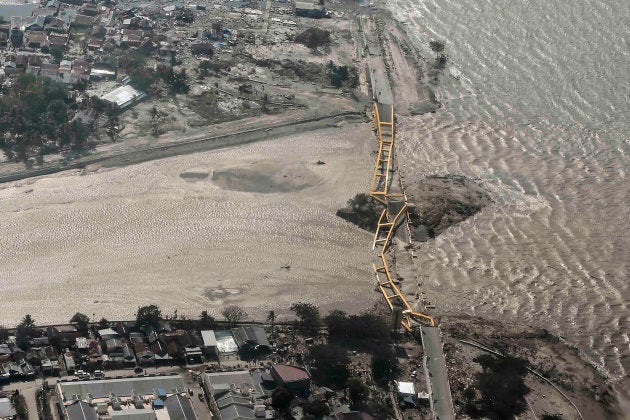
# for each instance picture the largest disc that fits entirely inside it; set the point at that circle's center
(441, 391)
(28, 390)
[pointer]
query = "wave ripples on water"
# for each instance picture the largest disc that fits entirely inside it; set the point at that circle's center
(540, 115)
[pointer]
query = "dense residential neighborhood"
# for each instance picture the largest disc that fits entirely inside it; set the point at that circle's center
(153, 367)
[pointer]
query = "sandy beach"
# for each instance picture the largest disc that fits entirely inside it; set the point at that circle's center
(192, 232)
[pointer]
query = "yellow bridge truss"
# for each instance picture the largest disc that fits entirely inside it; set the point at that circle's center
(395, 211)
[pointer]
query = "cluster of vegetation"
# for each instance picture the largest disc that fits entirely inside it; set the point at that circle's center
(37, 117)
(330, 362)
(368, 331)
(19, 402)
(313, 38)
(438, 48)
(342, 75)
(144, 78)
(499, 390)
(363, 211)
(207, 66)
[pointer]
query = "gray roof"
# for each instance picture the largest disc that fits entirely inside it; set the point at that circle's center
(6, 409)
(220, 382)
(306, 5)
(134, 414)
(81, 411)
(225, 342)
(106, 332)
(113, 344)
(230, 399)
(237, 411)
(102, 388)
(69, 361)
(209, 339)
(179, 408)
(251, 333)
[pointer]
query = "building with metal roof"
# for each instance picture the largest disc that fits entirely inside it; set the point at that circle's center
(6, 409)
(225, 342)
(124, 96)
(179, 408)
(131, 398)
(119, 387)
(251, 338)
(80, 410)
(293, 378)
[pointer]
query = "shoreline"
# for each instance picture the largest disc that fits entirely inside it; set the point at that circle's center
(155, 152)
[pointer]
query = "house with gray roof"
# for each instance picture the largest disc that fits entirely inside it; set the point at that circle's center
(251, 339)
(7, 411)
(209, 343)
(179, 408)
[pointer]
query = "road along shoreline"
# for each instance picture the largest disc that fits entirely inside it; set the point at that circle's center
(193, 144)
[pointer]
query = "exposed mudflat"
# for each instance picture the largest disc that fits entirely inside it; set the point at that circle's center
(443, 201)
(265, 177)
(191, 233)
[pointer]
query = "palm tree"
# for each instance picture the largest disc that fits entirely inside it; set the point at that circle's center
(271, 318)
(27, 321)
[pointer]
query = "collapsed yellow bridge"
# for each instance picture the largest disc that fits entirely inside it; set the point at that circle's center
(396, 210)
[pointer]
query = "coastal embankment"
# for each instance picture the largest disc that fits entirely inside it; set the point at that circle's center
(136, 152)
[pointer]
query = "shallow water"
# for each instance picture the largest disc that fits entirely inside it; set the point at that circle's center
(540, 115)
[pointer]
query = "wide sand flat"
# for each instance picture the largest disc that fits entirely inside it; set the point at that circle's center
(181, 233)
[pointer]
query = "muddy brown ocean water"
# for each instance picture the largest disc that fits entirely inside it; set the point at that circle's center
(539, 114)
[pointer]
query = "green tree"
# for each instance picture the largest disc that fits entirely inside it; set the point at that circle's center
(337, 323)
(356, 327)
(27, 321)
(502, 385)
(364, 211)
(281, 400)
(103, 324)
(329, 364)
(313, 38)
(380, 407)
(271, 318)
(82, 321)
(57, 54)
(142, 78)
(357, 391)
(308, 315)
(148, 316)
(177, 81)
(383, 363)
(20, 406)
(437, 47)
(25, 331)
(205, 320)
(4, 334)
(234, 314)
(317, 408)
(337, 74)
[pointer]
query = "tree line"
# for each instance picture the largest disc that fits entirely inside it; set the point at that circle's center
(37, 117)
